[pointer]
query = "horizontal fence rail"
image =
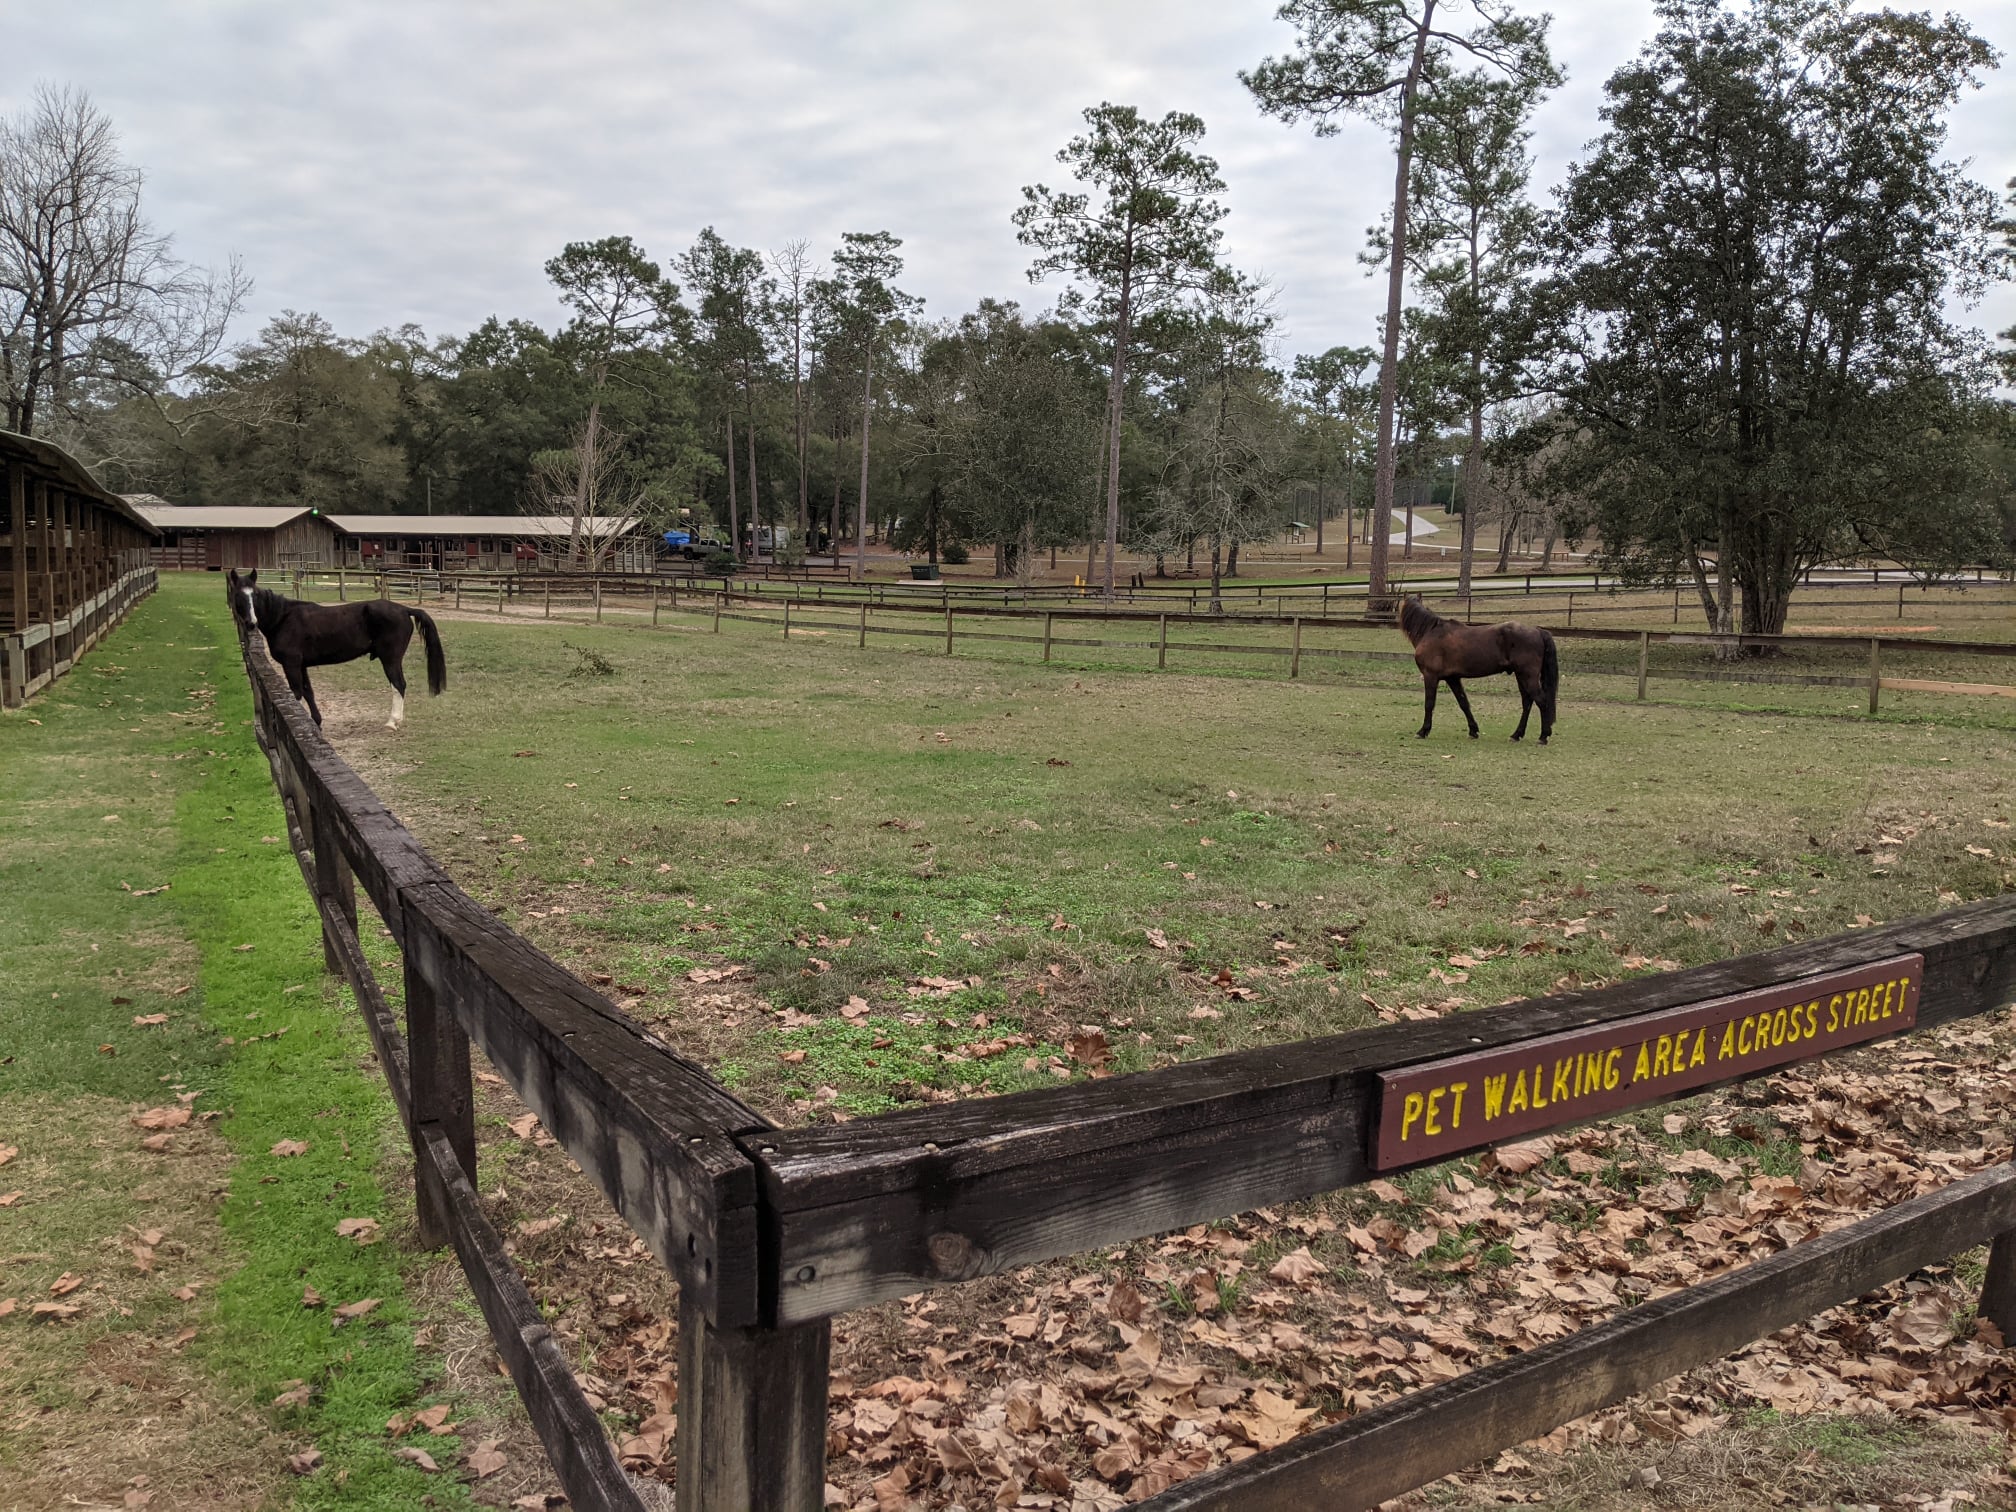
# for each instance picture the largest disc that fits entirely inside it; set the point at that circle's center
(771, 1232)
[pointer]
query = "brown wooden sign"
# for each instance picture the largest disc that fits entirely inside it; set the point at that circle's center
(1466, 1102)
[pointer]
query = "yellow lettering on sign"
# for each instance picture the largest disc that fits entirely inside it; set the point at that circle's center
(1410, 1111)
(1743, 1037)
(1428, 1122)
(1700, 1056)
(1494, 1096)
(1539, 1081)
(1518, 1102)
(1643, 1069)
(1888, 988)
(1861, 1005)
(1456, 1091)
(1662, 1056)
(1610, 1075)
(1728, 1046)
(1564, 1071)
(1778, 1028)
(1813, 1018)
(1834, 1013)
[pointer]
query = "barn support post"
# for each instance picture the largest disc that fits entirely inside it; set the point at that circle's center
(1644, 657)
(752, 1415)
(441, 1096)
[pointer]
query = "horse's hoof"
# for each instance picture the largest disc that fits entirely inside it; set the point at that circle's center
(1518, 737)
(1420, 734)
(1473, 734)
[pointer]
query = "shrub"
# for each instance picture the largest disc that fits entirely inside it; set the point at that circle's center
(956, 555)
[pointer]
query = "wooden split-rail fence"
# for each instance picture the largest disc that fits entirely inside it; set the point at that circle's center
(771, 1232)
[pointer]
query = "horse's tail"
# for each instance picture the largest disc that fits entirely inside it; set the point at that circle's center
(1550, 674)
(437, 664)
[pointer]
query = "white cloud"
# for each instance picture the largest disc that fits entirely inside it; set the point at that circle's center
(386, 160)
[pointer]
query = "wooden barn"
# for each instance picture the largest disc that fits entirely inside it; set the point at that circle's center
(73, 560)
(211, 538)
(486, 543)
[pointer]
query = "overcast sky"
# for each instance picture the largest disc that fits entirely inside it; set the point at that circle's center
(387, 161)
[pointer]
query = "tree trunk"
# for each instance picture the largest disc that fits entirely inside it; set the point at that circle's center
(1396, 280)
(798, 415)
(734, 508)
(1319, 509)
(1473, 475)
(1350, 503)
(1216, 577)
(755, 505)
(861, 504)
(1121, 331)
(1232, 561)
(1508, 527)
(583, 480)
(931, 531)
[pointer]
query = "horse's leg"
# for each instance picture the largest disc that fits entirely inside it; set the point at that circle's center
(1463, 703)
(1428, 682)
(297, 680)
(395, 673)
(1529, 694)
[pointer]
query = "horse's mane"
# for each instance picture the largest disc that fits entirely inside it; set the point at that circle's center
(269, 607)
(1417, 619)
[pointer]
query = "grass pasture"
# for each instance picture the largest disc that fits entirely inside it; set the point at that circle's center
(855, 880)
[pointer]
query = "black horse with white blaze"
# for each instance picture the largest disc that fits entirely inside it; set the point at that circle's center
(302, 635)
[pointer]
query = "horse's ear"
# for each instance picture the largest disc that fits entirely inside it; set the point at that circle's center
(252, 577)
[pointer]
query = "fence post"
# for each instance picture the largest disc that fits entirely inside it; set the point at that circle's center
(1571, 608)
(1676, 605)
(752, 1415)
(862, 643)
(717, 610)
(548, 586)
(1998, 1288)
(1295, 655)
(948, 627)
(654, 606)
(1875, 672)
(598, 601)
(787, 619)
(438, 1052)
(1644, 655)
(332, 878)
(458, 593)
(1900, 601)
(1048, 615)
(1162, 645)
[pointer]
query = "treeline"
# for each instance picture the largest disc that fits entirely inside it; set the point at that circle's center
(1722, 355)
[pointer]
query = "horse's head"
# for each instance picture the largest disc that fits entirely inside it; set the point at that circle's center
(238, 593)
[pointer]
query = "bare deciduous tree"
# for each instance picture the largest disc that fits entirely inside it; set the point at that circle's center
(91, 296)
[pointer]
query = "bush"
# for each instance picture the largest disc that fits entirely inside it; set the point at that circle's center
(721, 563)
(956, 555)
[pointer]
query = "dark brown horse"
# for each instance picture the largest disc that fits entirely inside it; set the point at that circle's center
(302, 635)
(1446, 651)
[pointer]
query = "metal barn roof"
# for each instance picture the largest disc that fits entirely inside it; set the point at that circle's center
(561, 526)
(222, 516)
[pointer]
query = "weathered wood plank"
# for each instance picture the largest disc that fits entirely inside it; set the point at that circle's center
(752, 1416)
(442, 1094)
(1427, 1434)
(579, 1450)
(649, 1127)
(886, 1206)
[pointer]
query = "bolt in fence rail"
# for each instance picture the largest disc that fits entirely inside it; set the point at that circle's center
(771, 1232)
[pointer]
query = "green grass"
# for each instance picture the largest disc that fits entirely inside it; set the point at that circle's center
(154, 728)
(848, 823)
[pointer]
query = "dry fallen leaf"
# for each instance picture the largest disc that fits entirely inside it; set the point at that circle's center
(486, 1459)
(419, 1457)
(8, 1152)
(288, 1147)
(351, 1310)
(149, 1020)
(363, 1230)
(161, 1118)
(310, 1297)
(306, 1462)
(295, 1394)
(1298, 1268)
(65, 1284)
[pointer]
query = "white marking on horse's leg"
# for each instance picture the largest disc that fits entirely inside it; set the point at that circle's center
(398, 710)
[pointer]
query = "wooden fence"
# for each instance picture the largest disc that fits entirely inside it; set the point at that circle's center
(940, 624)
(33, 658)
(770, 1232)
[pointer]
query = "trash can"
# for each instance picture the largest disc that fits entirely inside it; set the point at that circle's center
(924, 572)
